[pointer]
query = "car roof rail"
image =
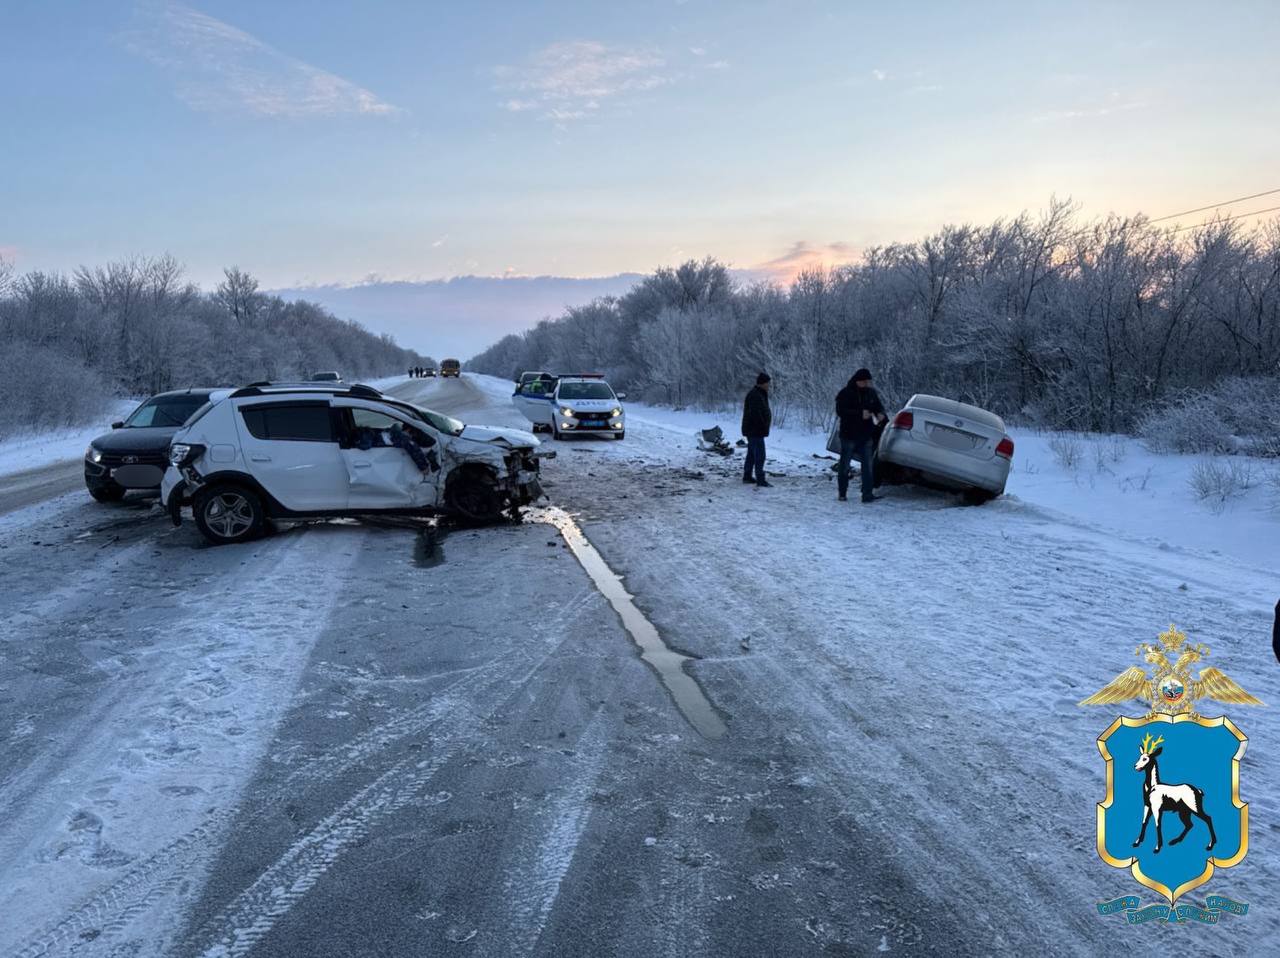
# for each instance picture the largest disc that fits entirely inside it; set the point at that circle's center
(368, 392)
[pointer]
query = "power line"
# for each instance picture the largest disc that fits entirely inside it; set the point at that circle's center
(1201, 209)
(1227, 219)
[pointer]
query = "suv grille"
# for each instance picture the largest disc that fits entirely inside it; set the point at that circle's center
(113, 459)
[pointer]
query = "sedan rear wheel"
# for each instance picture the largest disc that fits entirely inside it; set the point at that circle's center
(226, 514)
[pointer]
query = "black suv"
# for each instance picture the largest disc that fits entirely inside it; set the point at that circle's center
(135, 454)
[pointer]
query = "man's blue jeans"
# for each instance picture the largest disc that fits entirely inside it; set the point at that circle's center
(865, 453)
(755, 459)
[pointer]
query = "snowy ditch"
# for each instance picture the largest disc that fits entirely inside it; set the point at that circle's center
(665, 661)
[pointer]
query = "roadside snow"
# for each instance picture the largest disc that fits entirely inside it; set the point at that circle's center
(33, 450)
(1115, 485)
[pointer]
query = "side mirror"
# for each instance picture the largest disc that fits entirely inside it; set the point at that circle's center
(117, 424)
(621, 395)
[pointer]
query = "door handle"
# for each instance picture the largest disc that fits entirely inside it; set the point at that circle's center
(260, 458)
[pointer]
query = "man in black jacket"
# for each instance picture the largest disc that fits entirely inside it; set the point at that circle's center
(860, 411)
(756, 419)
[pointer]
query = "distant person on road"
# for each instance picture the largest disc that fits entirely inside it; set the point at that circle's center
(757, 417)
(860, 411)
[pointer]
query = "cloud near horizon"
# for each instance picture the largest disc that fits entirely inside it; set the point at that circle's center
(218, 67)
(804, 255)
(570, 79)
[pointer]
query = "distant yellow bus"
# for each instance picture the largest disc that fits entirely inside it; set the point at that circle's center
(450, 367)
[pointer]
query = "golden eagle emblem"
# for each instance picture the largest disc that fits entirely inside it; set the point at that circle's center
(1171, 689)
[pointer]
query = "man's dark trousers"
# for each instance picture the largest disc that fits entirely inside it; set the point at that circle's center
(862, 450)
(755, 459)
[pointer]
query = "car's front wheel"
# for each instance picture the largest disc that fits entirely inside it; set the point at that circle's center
(475, 498)
(620, 435)
(225, 514)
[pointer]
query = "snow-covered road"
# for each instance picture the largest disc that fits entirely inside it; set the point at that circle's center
(353, 739)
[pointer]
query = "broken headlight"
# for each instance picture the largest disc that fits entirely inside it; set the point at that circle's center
(182, 454)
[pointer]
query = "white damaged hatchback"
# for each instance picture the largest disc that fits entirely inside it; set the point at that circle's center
(315, 450)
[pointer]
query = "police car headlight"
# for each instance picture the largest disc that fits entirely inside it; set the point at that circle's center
(93, 454)
(616, 413)
(566, 411)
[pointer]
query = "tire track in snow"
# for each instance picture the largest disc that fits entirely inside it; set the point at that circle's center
(231, 639)
(533, 885)
(468, 703)
(111, 909)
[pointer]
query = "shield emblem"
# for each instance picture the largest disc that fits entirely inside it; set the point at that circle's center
(1181, 774)
(130, 460)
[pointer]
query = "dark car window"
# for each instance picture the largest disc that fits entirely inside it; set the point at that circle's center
(165, 411)
(299, 422)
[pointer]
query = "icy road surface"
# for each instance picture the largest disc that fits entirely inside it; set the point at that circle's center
(351, 739)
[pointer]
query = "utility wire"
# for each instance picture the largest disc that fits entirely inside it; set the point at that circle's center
(1226, 219)
(1201, 209)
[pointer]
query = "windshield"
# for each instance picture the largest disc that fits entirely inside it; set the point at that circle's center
(164, 411)
(439, 420)
(585, 391)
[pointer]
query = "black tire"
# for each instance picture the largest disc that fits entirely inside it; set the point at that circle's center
(111, 493)
(620, 435)
(555, 433)
(474, 498)
(976, 497)
(226, 514)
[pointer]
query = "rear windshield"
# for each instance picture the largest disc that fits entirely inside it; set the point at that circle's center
(585, 391)
(164, 411)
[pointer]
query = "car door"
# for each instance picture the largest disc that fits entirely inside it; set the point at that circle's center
(533, 399)
(291, 448)
(385, 476)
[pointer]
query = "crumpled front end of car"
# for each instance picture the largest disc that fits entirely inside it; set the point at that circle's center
(524, 474)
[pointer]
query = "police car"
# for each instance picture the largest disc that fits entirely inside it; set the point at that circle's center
(572, 404)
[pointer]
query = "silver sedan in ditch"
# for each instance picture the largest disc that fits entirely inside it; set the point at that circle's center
(941, 442)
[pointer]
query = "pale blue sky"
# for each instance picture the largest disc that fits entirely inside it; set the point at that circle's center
(320, 142)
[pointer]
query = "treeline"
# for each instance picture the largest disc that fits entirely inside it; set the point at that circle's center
(136, 327)
(1046, 319)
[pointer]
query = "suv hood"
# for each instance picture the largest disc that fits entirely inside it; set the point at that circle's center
(516, 438)
(137, 439)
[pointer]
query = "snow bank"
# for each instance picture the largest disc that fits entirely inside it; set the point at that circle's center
(33, 450)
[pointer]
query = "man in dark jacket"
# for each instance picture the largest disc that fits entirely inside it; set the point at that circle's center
(860, 411)
(756, 419)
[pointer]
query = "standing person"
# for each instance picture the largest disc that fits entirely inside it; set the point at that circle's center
(756, 419)
(860, 411)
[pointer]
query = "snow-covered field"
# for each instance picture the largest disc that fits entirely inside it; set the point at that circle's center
(355, 739)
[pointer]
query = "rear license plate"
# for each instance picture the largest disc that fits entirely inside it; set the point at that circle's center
(953, 438)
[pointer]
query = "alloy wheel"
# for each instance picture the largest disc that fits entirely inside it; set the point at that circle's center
(229, 514)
